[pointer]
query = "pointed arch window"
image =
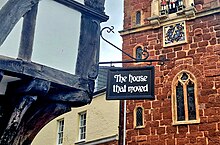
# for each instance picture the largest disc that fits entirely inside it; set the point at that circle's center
(184, 99)
(139, 53)
(139, 120)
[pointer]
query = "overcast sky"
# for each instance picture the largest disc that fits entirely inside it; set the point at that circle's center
(114, 9)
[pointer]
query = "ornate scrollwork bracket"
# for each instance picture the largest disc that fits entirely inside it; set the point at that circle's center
(145, 53)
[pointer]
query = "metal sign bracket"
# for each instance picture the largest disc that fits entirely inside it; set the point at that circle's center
(145, 53)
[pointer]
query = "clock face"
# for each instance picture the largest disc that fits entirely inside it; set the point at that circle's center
(174, 34)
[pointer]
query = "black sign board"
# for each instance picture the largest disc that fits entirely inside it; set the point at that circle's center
(130, 83)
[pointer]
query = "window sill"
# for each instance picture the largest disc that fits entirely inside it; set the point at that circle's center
(80, 142)
(139, 127)
(186, 122)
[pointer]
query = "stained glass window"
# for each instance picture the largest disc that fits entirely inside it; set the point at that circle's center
(139, 117)
(184, 77)
(180, 103)
(185, 106)
(191, 101)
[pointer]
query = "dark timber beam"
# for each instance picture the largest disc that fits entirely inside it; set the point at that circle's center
(27, 34)
(11, 13)
(87, 60)
(13, 125)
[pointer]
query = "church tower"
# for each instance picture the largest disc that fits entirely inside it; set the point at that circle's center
(186, 109)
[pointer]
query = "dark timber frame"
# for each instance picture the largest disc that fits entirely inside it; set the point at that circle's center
(43, 93)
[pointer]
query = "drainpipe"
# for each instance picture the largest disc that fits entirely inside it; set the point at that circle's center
(124, 126)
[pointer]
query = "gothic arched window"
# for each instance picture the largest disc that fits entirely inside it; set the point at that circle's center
(184, 99)
(139, 120)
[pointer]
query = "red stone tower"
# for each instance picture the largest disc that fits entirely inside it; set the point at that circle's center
(186, 109)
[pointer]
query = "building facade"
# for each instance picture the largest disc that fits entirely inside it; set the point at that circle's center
(186, 107)
(96, 123)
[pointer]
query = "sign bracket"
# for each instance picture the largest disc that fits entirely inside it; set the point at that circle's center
(145, 53)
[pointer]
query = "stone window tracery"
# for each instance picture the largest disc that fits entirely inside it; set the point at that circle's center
(184, 99)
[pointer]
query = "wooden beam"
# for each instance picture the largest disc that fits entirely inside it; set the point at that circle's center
(27, 36)
(36, 118)
(49, 93)
(13, 125)
(89, 43)
(94, 9)
(11, 13)
(96, 4)
(34, 87)
(13, 10)
(49, 102)
(24, 69)
(72, 97)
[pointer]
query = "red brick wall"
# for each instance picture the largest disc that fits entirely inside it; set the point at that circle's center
(200, 56)
(206, 4)
(131, 6)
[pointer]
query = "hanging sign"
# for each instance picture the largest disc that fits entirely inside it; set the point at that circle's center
(130, 83)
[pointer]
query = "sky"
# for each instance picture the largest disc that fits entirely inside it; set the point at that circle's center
(114, 9)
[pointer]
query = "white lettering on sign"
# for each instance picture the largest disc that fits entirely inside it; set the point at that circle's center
(137, 78)
(119, 89)
(139, 89)
(120, 79)
(133, 82)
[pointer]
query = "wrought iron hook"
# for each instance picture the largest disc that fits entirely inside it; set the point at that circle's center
(145, 53)
(110, 30)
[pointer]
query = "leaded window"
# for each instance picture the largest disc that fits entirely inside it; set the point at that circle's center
(184, 99)
(139, 117)
(138, 18)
